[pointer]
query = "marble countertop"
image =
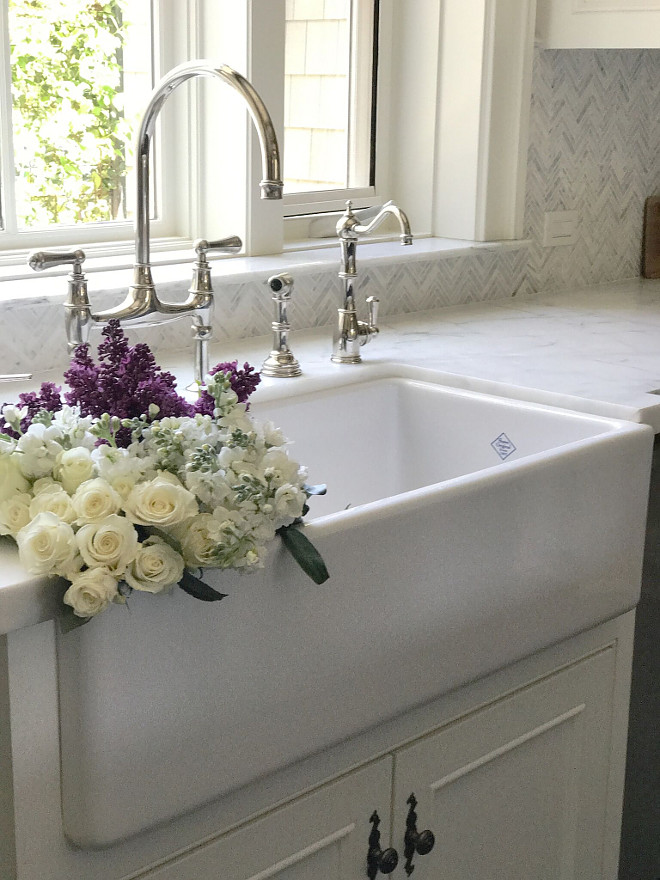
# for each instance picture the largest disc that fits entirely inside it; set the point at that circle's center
(594, 350)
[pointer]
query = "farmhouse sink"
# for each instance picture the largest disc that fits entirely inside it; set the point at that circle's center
(461, 531)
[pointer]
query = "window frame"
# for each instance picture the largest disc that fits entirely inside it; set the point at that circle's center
(454, 181)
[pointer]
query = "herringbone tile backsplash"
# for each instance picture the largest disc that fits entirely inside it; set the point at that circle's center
(594, 147)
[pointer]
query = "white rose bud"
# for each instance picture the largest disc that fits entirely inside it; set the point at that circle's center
(46, 545)
(53, 499)
(73, 467)
(11, 478)
(111, 543)
(163, 501)
(156, 566)
(94, 500)
(91, 592)
(14, 513)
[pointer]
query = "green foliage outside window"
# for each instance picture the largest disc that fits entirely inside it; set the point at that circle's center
(70, 132)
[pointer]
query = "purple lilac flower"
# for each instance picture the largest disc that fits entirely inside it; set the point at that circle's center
(124, 383)
(243, 382)
(48, 397)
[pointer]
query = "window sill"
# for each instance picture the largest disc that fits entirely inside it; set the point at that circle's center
(172, 269)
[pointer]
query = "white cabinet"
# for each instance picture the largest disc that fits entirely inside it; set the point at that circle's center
(323, 835)
(604, 24)
(518, 775)
(516, 789)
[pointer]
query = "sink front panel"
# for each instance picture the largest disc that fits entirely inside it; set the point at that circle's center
(175, 703)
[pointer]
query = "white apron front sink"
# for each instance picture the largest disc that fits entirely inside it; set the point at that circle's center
(461, 531)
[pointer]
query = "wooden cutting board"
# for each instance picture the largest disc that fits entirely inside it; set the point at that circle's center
(651, 241)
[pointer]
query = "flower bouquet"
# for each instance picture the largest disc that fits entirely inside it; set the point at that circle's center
(123, 485)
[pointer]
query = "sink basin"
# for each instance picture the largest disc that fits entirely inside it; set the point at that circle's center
(461, 531)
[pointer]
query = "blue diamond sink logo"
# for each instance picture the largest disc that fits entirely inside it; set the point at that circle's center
(503, 446)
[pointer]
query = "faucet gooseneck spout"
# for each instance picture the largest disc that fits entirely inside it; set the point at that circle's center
(142, 299)
(351, 333)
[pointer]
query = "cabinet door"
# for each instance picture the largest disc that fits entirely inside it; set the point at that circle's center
(516, 790)
(323, 835)
(598, 24)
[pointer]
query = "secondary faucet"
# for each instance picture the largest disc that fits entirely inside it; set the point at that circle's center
(351, 333)
(142, 299)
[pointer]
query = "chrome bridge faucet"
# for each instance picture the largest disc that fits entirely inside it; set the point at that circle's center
(142, 299)
(351, 333)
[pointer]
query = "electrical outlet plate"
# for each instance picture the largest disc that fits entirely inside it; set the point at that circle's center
(559, 228)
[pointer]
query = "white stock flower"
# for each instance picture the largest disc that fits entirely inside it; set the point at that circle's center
(91, 591)
(51, 497)
(94, 500)
(13, 415)
(46, 545)
(272, 435)
(38, 448)
(111, 543)
(73, 467)
(163, 501)
(289, 501)
(279, 467)
(14, 513)
(11, 478)
(156, 567)
(122, 468)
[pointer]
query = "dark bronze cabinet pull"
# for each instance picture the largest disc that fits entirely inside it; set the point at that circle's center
(383, 860)
(415, 842)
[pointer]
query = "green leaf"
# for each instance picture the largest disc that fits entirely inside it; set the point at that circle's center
(68, 620)
(304, 552)
(198, 589)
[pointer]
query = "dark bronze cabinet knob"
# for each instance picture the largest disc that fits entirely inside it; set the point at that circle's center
(415, 842)
(379, 860)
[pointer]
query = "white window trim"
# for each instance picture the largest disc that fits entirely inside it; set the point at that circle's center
(457, 169)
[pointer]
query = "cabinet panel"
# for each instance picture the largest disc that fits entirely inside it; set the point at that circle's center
(518, 789)
(323, 835)
(598, 24)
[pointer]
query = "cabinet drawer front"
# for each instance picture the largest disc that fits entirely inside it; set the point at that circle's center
(518, 789)
(323, 835)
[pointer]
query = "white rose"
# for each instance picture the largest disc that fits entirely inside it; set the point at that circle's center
(289, 501)
(53, 499)
(94, 500)
(11, 478)
(14, 513)
(46, 545)
(111, 543)
(155, 567)
(73, 467)
(91, 592)
(199, 539)
(163, 501)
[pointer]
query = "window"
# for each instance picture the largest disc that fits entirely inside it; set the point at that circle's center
(77, 76)
(330, 75)
(443, 135)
